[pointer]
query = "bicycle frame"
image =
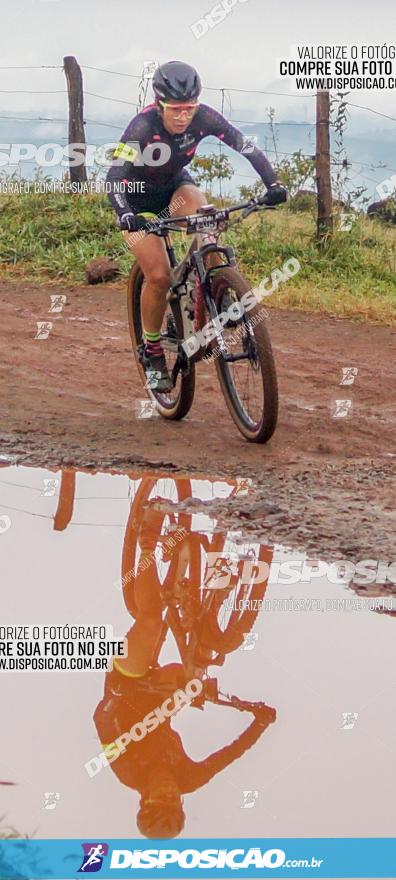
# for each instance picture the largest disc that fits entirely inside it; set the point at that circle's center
(188, 638)
(208, 219)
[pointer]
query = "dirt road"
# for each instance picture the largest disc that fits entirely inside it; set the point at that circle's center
(325, 483)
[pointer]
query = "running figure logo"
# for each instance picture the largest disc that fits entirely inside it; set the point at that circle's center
(249, 799)
(57, 302)
(43, 329)
(249, 144)
(348, 375)
(147, 409)
(153, 377)
(219, 571)
(94, 854)
(341, 409)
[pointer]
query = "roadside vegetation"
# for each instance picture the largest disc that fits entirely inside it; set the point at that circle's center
(50, 237)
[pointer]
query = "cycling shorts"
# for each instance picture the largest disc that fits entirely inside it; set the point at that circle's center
(155, 199)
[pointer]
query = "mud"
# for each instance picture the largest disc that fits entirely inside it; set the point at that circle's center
(322, 482)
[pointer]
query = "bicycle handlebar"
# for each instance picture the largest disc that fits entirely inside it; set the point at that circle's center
(206, 219)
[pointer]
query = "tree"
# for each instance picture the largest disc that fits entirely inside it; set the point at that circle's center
(206, 169)
(293, 171)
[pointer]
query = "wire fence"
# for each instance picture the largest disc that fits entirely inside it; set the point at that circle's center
(224, 93)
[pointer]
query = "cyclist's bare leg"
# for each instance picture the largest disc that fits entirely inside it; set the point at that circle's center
(186, 200)
(150, 253)
(145, 635)
(193, 199)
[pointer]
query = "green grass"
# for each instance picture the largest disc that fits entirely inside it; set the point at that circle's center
(51, 236)
(355, 276)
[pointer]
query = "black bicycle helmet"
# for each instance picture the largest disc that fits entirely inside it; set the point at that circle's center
(176, 81)
(156, 820)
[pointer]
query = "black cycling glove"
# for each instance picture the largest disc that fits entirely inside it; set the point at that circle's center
(132, 222)
(275, 195)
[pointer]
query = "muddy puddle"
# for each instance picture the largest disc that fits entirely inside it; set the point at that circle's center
(252, 702)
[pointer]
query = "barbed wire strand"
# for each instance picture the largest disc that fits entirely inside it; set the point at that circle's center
(211, 143)
(209, 88)
(222, 91)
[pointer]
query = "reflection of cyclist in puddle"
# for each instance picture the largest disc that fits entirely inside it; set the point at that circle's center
(157, 765)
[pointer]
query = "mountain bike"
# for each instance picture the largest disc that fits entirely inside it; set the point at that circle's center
(207, 622)
(209, 315)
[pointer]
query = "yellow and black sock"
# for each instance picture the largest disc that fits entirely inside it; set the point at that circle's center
(153, 342)
(125, 672)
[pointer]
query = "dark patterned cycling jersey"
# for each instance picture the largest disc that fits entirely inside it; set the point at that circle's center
(153, 155)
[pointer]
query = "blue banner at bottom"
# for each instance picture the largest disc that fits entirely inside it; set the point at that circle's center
(208, 857)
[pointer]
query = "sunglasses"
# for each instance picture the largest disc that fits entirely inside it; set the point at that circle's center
(178, 110)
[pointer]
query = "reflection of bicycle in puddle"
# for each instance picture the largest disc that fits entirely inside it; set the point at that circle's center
(208, 582)
(166, 591)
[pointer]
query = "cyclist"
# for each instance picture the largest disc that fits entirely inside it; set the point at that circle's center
(171, 128)
(158, 767)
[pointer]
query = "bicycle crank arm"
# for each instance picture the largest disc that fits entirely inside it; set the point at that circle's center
(169, 344)
(181, 365)
(235, 357)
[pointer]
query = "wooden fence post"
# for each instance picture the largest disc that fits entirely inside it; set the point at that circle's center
(78, 173)
(323, 178)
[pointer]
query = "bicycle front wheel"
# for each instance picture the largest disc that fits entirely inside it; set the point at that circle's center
(247, 374)
(233, 613)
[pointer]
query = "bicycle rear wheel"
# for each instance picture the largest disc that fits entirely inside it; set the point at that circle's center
(249, 384)
(176, 403)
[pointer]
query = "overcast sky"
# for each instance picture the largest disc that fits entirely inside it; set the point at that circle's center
(240, 52)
